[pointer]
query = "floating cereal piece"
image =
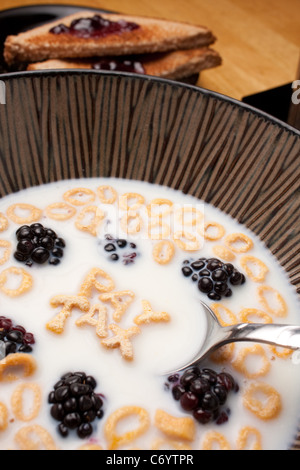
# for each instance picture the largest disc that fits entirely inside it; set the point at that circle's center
(256, 350)
(159, 208)
(186, 241)
(105, 198)
(247, 261)
(238, 242)
(158, 230)
(3, 417)
(189, 216)
(246, 435)
(69, 302)
(212, 231)
(281, 352)
(99, 323)
(116, 440)
(3, 222)
(34, 437)
(163, 251)
(179, 428)
(223, 354)
(60, 211)
(125, 199)
(166, 444)
(131, 223)
(121, 339)
(34, 214)
(223, 253)
(79, 196)
(213, 438)
(120, 300)
(90, 282)
(25, 283)
(17, 401)
(265, 408)
(89, 219)
(149, 316)
(262, 316)
(16, 366)
(225, 316)
(275, 304)
(7, 251)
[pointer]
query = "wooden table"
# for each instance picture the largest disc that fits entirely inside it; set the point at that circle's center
(259, 40)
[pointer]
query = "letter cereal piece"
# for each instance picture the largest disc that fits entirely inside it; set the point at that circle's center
(99, 323)
(120, 301)
(179, 428)
(15, 366)
(213, 439)
(90, 282)
(17, 401)
(149, 316)
(89, 218)
(249, 436)
(34, 437)
(121, 339)
(68, 302)
(116, 440)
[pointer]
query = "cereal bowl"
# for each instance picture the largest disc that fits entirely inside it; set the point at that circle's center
(75, 148)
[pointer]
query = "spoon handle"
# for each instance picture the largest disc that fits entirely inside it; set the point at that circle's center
(287, 336)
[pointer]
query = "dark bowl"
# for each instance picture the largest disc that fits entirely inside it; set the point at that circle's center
(57, 125)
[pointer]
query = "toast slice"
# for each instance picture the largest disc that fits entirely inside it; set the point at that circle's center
(172, 65)
(151, 35)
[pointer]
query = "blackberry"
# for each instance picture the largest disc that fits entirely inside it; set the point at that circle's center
(119, 249)
(38, 244)
(203, 393)
(214, 278)
(14, 338)
(75, 404)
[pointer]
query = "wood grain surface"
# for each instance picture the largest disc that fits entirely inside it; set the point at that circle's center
(259, 40)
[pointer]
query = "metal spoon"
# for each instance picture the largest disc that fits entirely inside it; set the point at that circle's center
(287, 336)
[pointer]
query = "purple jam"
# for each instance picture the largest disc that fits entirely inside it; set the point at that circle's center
(94, 27)
(119, 65)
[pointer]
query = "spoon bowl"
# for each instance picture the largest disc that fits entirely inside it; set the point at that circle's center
(283, 335)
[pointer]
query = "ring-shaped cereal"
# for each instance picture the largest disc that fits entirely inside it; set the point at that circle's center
(281, 308)
(157, 204)
(222, 252)
(212, 438)
(18, 405)
(116, 440)
(246, 262)
(60, 211)
(3, 417)
(102, 190)
(206, 231)
(255, 350)
(125, 198)
(91, 226)
(92, 281)
(131, 223)
(70, 196)
(246, 434)
(225, 316)
(182, 216)
(283, 353)
(34, 437)
(25, 283)
(163, 232)
(262, 316)
(17, 360)
(3, 222)
(7, 251)
(238, 242)
(163, 251)
(186, 241)
(264, 409)
(34, 213)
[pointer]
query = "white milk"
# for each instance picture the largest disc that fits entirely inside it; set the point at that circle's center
(159, 347)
